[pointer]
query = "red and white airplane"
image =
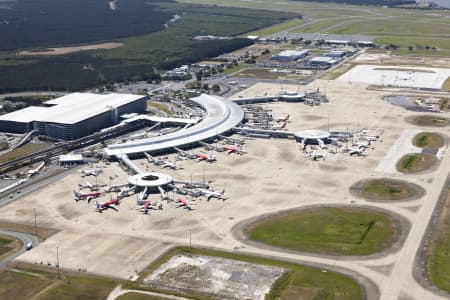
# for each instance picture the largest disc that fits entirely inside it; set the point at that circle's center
(285, 119)
(236, 150)
(205, 157)
(86, 196)
(148, 206)
(185, 204)
(101, 206)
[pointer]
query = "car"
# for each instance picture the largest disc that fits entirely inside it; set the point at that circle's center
(28, 246)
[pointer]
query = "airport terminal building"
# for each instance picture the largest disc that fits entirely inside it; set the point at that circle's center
(74, 115)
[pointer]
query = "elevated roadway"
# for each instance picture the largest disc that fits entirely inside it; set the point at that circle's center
(221, 116)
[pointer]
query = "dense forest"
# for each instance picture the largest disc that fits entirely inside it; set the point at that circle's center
(143, 56)
(390, 3)
(42, 23)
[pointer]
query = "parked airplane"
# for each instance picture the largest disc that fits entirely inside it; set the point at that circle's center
(205, 157)
(234, 150)
(115, 188)
(285, 119)
(197, 156)
(92, 172)
(361, 145)
(315, 156)
(161, 162)
(354, 151)
(86, 196)
(232, 141)
(197, 185)
(185, 191)
(92, 187)
(126, 192)
(212, 194)
(278, 127)
(105, 205)
(148, 206)
(185, 204)
(36, 170)
(212, 147)
(185, 154)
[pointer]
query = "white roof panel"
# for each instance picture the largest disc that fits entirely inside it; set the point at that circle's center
(72, 108)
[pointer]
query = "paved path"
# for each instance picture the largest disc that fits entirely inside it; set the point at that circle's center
(24, 237)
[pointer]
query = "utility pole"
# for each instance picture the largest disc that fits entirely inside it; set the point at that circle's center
(190, 237)
(35, 223)
(57, 261)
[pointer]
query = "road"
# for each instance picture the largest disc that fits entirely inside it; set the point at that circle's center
(24, 237)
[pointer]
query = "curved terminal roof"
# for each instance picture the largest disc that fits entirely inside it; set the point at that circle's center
(222, 115)
(312, 134)
(151, 179)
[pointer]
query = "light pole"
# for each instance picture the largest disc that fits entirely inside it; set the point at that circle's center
(57, 260)
(190, 237)
(35, 223)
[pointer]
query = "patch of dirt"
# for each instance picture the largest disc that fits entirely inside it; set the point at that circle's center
(67, 50)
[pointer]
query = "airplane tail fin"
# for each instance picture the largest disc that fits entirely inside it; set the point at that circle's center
(284, 125)
(287, 118)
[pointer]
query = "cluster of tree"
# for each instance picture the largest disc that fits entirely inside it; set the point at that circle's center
(44, 23)
(143, 57)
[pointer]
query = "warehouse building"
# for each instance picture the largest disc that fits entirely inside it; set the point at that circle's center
(323, 60)
(74, 115)
(290, 55)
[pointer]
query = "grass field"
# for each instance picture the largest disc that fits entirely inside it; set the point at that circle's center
(161, 107)
(315, 27)
(276, 28)
(138, 296)
(446, 85)
(437, 260)
(328, 230)
(385, 190)
(43, 232)
(8, 245)
(416, 162)
(26, 149)
(429, 121)
(46, 286)
(299, 283)
(428, 140)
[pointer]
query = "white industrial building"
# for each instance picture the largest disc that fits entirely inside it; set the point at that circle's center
(290, 55)
(323, 60)
(74, 115)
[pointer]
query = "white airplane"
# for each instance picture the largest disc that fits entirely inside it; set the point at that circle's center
(212, 147)
(370, 138)
(354, 151)
(90, 186)
(91, 172)
(314, 155)
(115, 188)
(148, 206)
(186, 191)
(36, 170)
(185, 154)
(185, 204)
(361, 145)
(197, 185)
(126, 192)
(161, 162)
(232, 141)
(212, 194)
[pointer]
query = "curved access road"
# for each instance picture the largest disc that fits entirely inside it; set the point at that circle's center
(24, 237)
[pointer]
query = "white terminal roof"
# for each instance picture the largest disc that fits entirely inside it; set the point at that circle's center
(222, 115)
(292, 52)
(72, 108)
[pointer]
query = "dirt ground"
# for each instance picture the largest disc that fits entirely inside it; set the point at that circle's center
(274, 175)
(67, 50)
(220, 277)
